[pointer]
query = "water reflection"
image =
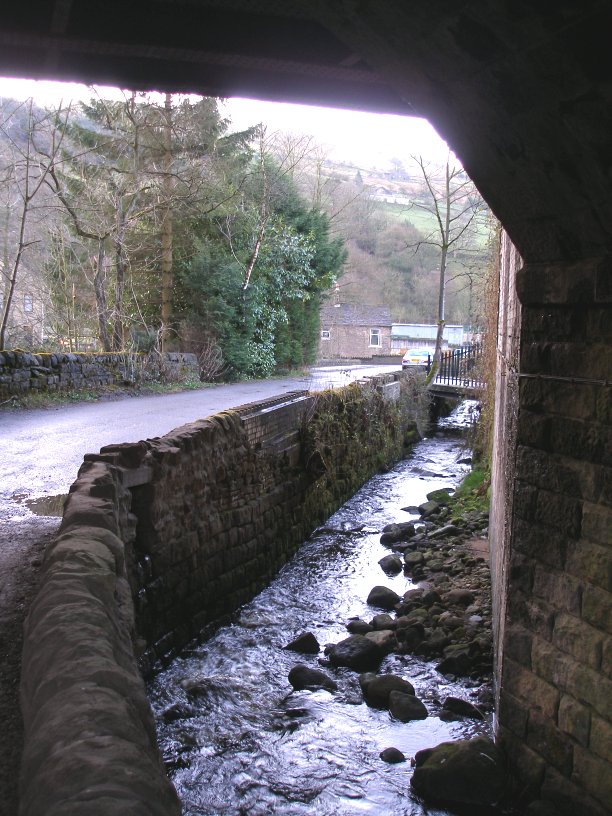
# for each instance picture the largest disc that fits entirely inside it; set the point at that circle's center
(238, 740)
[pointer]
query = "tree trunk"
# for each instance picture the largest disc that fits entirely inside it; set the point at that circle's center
(166, 226)
(101, 305)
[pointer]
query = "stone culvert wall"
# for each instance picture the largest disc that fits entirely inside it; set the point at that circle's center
(158, 539)
(22, 372)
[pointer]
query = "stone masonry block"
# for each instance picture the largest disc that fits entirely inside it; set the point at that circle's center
(594, 774)
(527, 764)
(591, 562)
(574, 719)
(553, 397)
(597, 608)
(540, 543)
(603, 404)
(513, 714)
(558, 283)
(550, 664)
(568, 796)
(579, 439)
(597, 523)
(526, 686)
(517, 645)
(578, 479)
(590, 687)
(561, 590)
(548, 741)
(578, 639)
(559, 512)
(606, 656)
(601, 738)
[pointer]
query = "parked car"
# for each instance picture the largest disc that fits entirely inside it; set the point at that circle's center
(418, 357)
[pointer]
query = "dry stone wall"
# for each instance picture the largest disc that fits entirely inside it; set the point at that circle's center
(158, 539)
(22, 372)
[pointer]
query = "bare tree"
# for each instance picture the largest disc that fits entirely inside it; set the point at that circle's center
(456, 207)
(23, 176)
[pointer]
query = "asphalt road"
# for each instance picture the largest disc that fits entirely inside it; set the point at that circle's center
(41, 450)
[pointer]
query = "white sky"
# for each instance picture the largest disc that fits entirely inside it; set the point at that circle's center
(367, 139)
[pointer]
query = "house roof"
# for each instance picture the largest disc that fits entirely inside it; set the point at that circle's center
(349, 314)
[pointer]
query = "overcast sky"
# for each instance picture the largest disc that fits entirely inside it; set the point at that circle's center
(367, 139)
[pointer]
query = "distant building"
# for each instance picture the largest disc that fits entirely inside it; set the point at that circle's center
(415, 335)
(349, 331)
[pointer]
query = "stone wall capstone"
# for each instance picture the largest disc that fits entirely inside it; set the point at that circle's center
(159, 539)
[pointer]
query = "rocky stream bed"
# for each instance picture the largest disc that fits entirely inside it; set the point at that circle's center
(326, 694)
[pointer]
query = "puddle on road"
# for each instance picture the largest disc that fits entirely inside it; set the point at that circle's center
(47, 505)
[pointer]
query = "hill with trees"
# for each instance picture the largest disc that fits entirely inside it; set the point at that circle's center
(147, 223)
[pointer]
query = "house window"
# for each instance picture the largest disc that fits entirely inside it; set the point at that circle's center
(28, 303)
(325, 335)
(375, 337)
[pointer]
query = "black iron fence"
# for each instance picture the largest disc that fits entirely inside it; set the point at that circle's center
(460, 366)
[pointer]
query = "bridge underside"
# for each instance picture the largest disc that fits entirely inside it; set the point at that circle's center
(522, 92)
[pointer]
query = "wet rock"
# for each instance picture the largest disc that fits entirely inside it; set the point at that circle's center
(392, 533)
(306, 643)
(406, 707)
(459, 597)
(383, 598)
(303, 677)
(383, 621)
(359, 627)
(178, 711)
(441, 496)
(384, 639)
(429, 508)
(410, 637)
(376, 688)
(357, 652)
(391, 564)
(457, 664)
(392, 755)
(445, 532)
(463, 707)
(412, 509)
(413, 559)
(434, 643)
(467, 772)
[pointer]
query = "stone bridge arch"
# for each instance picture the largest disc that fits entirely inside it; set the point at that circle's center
(522, 91)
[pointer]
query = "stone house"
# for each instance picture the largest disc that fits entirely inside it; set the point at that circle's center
(349, 331)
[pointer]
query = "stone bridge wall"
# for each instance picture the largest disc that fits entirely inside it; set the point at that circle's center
(555, 478)
(22, 372)
(158, 539)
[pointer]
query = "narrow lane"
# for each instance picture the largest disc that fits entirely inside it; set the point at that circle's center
(42, 449)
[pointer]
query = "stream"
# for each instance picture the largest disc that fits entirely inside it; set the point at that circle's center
(236, 738)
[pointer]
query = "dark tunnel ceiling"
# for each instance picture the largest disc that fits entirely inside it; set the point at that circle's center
(267, 50)
(521, 89)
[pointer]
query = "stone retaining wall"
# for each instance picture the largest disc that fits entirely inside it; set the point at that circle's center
(22, 372)
(158, 539)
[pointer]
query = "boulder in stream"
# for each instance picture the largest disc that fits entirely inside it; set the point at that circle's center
(468, 772)
(376, 688)
(383, 598)
(357, 652)
(303, 677)
(463, 707)
(392, 755)
(391, 564)
(406, 707)
(356, 626)
(306, 643)
(402, 531)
